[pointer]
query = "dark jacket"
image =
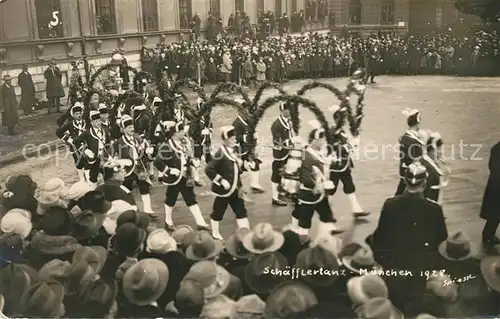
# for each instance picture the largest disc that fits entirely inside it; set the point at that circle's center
(490, 208)
(8, 103)
(44, 248)
(434, 175)
(411, 148)
(172, 155)
(54, 86)
(227, 166)
(282, 138)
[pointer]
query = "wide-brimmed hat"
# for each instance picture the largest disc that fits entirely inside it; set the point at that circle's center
(290, 298)
(95, 256)
(98, 298)
(263, 239)
(258, 274)
(87, 224)
(363, 288)
(80, 276)
(234, 244)
(425, 316)
(160, 242)
(180, 232)
(490, 268)
(458, 246)
(189, 293)
(55, 270)
(204, 247)
(145, 281)
(218, 307)
(57, 221)
(19, 192)
(329, 243)
(315, 258)
(380, 308)
(43, 300)
(140, 219)
(94, 201)
(249, 307)
(442, 286)
(78, 189)
(129, 238)
(51, 192)
(15, 279)
(361, 260)
(17, 221)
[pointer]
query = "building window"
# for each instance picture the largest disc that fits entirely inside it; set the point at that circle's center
(277, 8)
(215, 7)
(48, 17)
(239, 5)
(294, 5)
(150, 15)
(260, 6)
(387, 12)
(105, 16)
(355, 12)
(185, 13)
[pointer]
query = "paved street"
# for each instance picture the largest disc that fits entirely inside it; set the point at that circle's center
(464, 110)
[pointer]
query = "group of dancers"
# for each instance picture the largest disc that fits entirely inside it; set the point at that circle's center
(125, 156)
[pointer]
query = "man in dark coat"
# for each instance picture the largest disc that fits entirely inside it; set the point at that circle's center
(54, 88)
(27, 90)
(409, 231)
(8, 105)
(490, 209)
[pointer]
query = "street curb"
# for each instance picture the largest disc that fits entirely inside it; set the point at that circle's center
(35, 151)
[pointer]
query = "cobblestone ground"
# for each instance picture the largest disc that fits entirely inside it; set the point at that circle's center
(464, 110)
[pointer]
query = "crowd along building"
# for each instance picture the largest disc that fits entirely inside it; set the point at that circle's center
(33, 32)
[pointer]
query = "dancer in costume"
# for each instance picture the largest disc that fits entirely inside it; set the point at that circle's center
(240, 125)
(137, 150)
(202, 142)
(436, 169)
(314, 186)
(411, 146)
(283, 140)
(174, 162)
(94, 142)
(224, 170)
(69, 131)
(341, 170)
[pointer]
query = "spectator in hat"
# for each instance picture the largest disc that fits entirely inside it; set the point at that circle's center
(28, 91)
(215, 280)
(250, 307)
(53, 193)
(17, 221)
(263, 239)
(88, 229)
(98, 300)
(114, 175)
(8, 105)
(289, 299)
(204, 247)
(409, 241)
(235, 256)
(54, 240)
(55, 270)
(258, 276)
(95, 256)
(181, 233)
(80, 275)
(491, 200)
(12, 248)
(15, 279)
(20, 193)
(54, 88)
(380, 308)
(128, 243)
(189, 300)
(43, 300)
(292, 245)
(490, 269)
(143, 283)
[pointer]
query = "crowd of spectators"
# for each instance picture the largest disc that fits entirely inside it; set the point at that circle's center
(281, 58)
(73, 252)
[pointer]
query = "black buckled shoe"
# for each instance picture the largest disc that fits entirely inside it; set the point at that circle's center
(278, 202)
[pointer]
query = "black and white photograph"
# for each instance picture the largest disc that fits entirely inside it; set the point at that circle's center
(264, 159)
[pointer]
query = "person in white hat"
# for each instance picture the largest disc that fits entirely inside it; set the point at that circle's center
(314, 187)
(411, 146)
(175, 164)
(93, 144)
(70, 131)
(129, 147)
(224, 170)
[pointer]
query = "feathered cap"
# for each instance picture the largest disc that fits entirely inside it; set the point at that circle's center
(157, 100)
(317, 131)
(77, 107)
(95, 115)
(415, 174)
(227, 132)
(126, 121)
(285, 105)
(412, 116)
(139, 107)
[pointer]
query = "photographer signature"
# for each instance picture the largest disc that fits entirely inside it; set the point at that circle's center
(458, 280)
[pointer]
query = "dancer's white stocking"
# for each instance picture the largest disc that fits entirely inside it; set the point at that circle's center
(198, 216)
(215, 230)
(274, 188)
(146, 203)
(255, 175)
(168, 215)
(243, 223)
(355, 206)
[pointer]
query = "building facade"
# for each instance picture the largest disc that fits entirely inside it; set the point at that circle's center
(33, 32)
